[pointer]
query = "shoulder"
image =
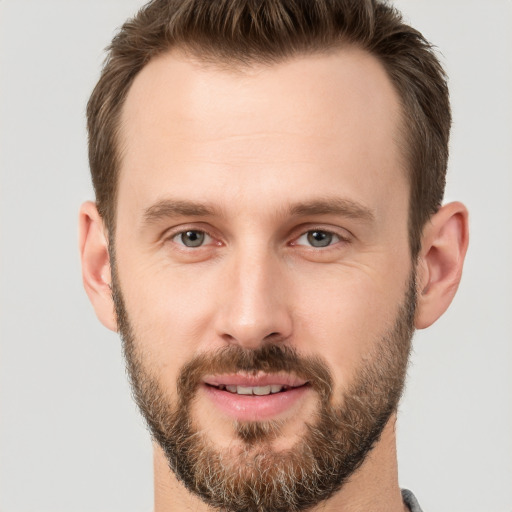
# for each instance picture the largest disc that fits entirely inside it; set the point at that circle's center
(411, 501)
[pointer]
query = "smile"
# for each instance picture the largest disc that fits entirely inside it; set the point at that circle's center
(255, 397)
(254, 390)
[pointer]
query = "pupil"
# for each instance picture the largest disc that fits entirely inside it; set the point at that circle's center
(319, 238)
(192, 238)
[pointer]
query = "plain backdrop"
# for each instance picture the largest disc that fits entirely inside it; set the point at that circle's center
(70, 438)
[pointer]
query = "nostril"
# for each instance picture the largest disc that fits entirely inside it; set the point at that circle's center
(274, 336)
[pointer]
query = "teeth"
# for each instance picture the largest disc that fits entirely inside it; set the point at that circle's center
(242, 390)
(254, 390)
(261, 390)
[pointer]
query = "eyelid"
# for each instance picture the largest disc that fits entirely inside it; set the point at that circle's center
(343, 234)
(170, 234)
(207, 238)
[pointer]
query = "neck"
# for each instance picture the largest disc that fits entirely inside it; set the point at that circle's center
(374, 486)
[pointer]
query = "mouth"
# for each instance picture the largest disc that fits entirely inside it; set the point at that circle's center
(255, 397)
(254, 390)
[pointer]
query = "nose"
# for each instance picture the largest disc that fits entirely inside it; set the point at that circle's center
(254, 309)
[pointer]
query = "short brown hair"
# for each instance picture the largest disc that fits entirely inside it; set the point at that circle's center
(243, 32)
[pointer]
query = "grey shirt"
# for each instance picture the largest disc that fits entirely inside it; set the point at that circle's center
(411, 501)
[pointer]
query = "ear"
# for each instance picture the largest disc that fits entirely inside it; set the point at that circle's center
(95, 259)
(444, 244)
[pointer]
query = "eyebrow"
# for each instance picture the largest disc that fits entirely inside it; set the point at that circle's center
(176, 208)
(168, 208)
(333, 206)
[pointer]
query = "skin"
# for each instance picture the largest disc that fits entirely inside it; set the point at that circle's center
(255, 146)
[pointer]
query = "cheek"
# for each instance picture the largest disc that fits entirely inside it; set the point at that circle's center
(343, 318)
(171, 312)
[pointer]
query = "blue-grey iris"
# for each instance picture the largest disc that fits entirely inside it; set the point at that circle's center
(319, 238)
(192, 238)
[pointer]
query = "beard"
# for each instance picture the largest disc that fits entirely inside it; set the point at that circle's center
(251, 476)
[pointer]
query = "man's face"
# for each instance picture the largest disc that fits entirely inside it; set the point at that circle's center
(263, 278)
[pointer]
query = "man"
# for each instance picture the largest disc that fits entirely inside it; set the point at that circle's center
(267, 234)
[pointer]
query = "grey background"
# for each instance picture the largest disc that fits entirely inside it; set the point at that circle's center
(70, 437)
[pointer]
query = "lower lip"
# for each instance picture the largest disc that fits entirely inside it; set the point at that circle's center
(253, 407)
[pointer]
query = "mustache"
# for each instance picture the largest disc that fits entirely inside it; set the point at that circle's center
(272, 358)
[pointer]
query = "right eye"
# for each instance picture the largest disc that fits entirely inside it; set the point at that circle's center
(318, 238)
(192, 238)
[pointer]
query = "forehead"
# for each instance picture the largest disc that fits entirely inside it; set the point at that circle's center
(258, 128)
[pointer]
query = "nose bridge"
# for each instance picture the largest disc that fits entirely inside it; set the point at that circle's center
(255, 307)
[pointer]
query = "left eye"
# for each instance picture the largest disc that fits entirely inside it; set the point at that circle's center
(318, 238)
(192, 238)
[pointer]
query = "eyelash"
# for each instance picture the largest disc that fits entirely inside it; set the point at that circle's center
(175, 235)
(340, 238)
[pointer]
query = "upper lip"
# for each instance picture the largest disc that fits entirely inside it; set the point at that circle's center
(260, 379)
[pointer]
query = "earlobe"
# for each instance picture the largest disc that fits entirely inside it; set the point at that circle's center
(444, 244)
(96, 273)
